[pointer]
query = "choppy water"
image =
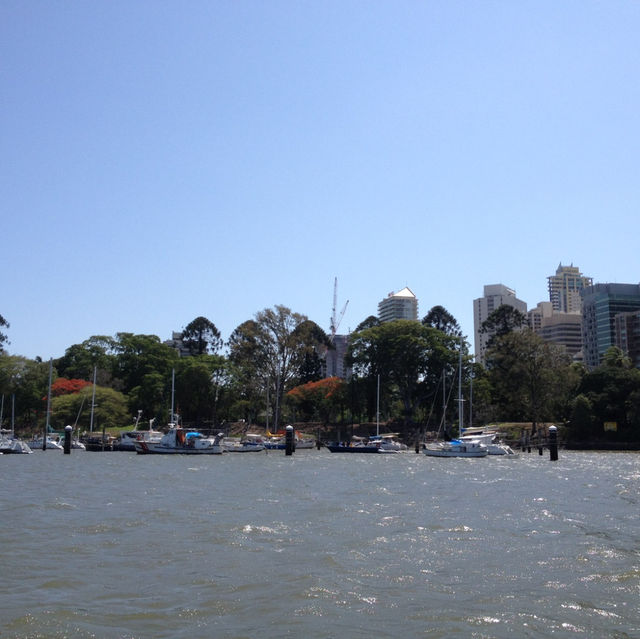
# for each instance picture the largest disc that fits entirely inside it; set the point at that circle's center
(319, 545)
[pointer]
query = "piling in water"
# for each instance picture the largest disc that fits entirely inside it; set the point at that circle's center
(553, 443)
(289, 445)
(67, 440)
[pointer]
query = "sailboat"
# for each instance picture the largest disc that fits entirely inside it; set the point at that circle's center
(377, 444)
(457, 447)
(11, 444)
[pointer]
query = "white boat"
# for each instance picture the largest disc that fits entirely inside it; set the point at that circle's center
(388, 443)
(278, 441)
(76, 444)
(250, 443)
(489, 439)
(128, 439)
(13, 445)
(9, 443)
(52, 444)
(179, 441)
(456, 448)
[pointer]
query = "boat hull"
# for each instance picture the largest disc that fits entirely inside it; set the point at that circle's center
(452, 453)
(147, 448)
(353, 449)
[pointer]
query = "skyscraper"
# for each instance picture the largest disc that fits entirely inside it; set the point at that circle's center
(400, 305)
(565, 287)
(600, 305)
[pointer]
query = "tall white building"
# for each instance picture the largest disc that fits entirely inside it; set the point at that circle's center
(400, 305)
(495, 295)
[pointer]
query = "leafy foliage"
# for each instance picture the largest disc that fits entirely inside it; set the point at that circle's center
(438, 317)
(3, 337)
(270, 350)
(321, 398)
(408, 355)
(202, 337)
(64, 386)
(527, 375)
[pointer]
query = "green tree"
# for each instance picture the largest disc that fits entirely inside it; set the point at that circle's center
(502, 321)
(143, 365)
(140, 355)
(198, 386)
(3, 338)
(369, 322)
(202, 337)
(613, 390)
(440, 318)
(407, 355)
(79, 360)
(27, 380)
(527, 375)
(271, 349)
(110, 409)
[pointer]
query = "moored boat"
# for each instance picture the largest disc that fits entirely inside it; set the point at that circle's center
(490, 439)
(51, 444)
(360, 445)
(250, 443)
(455, 448)
(14, 446)
(127, 439)
(181, 442)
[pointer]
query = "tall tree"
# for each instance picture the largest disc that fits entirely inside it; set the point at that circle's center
(503, 320)
(3, 338)
(527, 375)
(440, 318)
(144, 365)
(407, 355)
(271, 348)
(79, 360)
(201, 337)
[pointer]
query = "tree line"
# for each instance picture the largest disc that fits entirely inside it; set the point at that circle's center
(271, 372)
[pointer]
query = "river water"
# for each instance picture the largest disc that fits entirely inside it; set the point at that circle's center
(319, 545)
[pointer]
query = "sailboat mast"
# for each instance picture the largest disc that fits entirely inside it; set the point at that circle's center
(46, 425)
(378, 407)
(173, 390)
(93, 399)
(460, 404)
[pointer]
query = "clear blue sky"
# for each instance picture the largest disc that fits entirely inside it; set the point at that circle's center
(166, 160)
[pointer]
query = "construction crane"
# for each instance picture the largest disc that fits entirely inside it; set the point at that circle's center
(335, 321)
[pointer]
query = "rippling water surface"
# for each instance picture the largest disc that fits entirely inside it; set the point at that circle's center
(319, 545)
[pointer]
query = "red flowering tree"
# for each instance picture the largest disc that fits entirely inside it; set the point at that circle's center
(322, 398)
(64, 386)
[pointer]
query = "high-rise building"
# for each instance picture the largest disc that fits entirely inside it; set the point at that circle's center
(565, 287)
(334, 359)
(627, 327)
(600, 305)
(400, 305)
(495, 295)
(563, 329)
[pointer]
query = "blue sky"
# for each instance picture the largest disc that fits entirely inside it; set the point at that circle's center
(166, 160)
